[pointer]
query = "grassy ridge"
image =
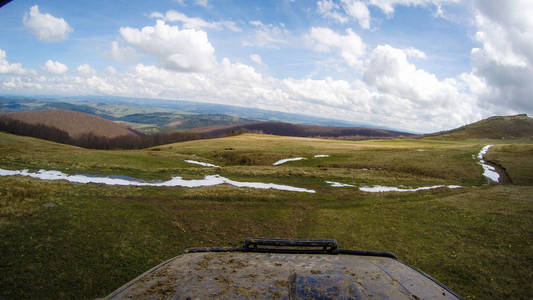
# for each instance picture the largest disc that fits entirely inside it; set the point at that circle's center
(63, 240)
(497, 127)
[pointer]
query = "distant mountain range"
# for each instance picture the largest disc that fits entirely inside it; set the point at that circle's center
(86, 130)
(137, 110)
(120, 123)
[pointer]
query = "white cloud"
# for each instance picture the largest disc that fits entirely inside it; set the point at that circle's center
(15, 68)
(203, 3)
(411, 108)
(45, 26)
(505, 32)
(86, 70)
(389, 70)
(416, 53)
(439, 12)
(122, 54)
(350, 46)
(329, 92)
(408, 89)
(180, 50)
(195, 23)
(345, 11)
(267, 35)
(359, 11)
(54, 67)
(387, 6)
(330, 9)
(101, 85)
(392, 89)
(256, 58)
(504, 60)
(231, 26)
(110, 70)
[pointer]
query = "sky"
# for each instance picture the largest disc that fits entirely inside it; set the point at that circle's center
(414, 65)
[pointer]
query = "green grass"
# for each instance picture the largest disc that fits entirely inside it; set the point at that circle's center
(518, 127)
(64, 240)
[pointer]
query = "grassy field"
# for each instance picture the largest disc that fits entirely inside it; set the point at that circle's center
(65, 240)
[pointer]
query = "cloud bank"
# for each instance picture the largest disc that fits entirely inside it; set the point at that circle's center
(390, 88)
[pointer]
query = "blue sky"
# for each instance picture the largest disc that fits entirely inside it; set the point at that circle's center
(418, 65)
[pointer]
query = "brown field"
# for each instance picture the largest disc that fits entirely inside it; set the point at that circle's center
(74, 123)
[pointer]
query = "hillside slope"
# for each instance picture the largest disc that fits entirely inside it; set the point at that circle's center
(114, 108)
(73, 122)
(298, 130)
(497, 127)
(159, 122)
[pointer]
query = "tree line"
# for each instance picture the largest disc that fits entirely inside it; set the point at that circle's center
(92, 141)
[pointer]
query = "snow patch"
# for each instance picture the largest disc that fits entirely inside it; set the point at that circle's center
(382, 189)
(321, 155)
(282, 161)
(488, 170)
(338, 184)
(209, 180)
(9, 172)
(201, 163)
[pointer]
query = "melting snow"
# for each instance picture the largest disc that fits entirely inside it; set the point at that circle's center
(175, 181)
(338, 184)
(483, 151)
(201, 163)
(282, 161)
(488, 170)
(210, 180)
(381, 189)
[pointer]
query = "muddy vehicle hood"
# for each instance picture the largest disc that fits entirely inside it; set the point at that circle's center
(262, 275)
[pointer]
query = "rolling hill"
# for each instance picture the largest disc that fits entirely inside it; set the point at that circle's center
(72, 127)
(73, 122)
(298, 130)
(497, 127)
(159, 122)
